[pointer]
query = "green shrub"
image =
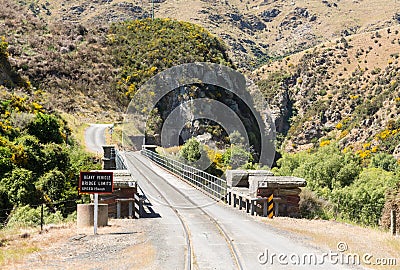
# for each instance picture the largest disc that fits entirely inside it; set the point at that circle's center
(384, 161)
(28, 153)
(193, 151)
(20, 185)
(313, 207)
(46, 128)
(26, 216)
(364, 199)
(323, 169)
(237, 157)
(5, 161)
(52, 185)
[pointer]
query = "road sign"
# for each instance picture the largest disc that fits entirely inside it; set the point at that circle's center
(96, 182)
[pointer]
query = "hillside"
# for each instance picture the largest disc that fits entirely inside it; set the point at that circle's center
(85, 70)
(254, 30)
(346, 90)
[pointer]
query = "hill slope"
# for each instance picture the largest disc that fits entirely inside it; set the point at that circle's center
(84, 68)
(254, 30)
(346, 90)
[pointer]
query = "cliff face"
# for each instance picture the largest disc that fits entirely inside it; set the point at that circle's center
(346, 91)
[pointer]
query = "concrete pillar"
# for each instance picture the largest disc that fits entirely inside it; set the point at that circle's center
(85, 215)
(265, 208)
(253, 207)
(276, 210)
(118, 209)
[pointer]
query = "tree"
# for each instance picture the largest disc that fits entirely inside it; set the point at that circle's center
(363, 200)
(52, 184)
(46, 128)
(5, 204)
(20, 187)
(28, 154)
(56, 156)
(236, 156)
(191, 150)
(194, 154)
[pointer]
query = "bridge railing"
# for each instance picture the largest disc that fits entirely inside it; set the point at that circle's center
(214, 186)
(120, 161)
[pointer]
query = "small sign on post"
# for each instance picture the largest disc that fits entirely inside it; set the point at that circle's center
(96, 183)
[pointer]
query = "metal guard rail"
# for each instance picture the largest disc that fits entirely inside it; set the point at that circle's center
(212, 185)
(120, 161)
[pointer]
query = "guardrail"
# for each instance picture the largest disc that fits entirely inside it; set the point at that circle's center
(210, 184)
(120, 161)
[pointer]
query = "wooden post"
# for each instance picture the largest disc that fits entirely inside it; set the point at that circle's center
(393, 221)
(276, 207)
(234, 200)
(230, 198)
(240, 202)
(247, 206)
(130, 212)
(41, 218)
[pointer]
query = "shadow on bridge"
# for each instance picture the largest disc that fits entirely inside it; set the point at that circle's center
(146, 210)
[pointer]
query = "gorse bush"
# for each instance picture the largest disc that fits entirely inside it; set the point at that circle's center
(142, 48)
(37, 166)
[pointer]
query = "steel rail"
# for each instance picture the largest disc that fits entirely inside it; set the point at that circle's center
(228, 240)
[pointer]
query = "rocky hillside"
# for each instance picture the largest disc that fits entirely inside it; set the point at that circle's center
(86, 69)
(346, 90)
(254, 30)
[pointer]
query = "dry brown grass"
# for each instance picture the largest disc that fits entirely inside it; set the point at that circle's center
(328, 234)
(53, 248)
(375, 54)
(17, 243)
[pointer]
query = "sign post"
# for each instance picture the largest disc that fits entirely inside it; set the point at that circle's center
(96, 183)
(96, 211)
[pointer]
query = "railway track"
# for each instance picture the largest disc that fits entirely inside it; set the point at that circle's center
(190, 254)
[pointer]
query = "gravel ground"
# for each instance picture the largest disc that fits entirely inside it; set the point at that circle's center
(139, 244)
(72, 248)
